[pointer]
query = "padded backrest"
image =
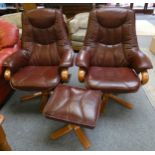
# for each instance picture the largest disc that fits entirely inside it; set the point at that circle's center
(14, 18)
(111, 35)
(82, 19)
(44, 35)
(9, 34)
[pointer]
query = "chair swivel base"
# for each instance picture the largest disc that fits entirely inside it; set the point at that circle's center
(106, 98)
(44, 98)
(77, 129)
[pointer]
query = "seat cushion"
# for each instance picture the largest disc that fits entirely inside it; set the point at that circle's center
(74, 105)
(36, 78)
(112, 80)
(79, 35)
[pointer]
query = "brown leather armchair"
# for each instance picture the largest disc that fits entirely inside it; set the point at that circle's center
(110, 59)
(45, 56)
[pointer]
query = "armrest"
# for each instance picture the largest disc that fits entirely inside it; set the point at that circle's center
(67, 58)
(14, 62)
(1, 119)
(83, 58)
(139, 61)
(73, 25)
(65, 63)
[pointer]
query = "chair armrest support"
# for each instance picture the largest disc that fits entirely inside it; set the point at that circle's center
(144, 77)
(7, 74)
(81, 74)
(64, 75)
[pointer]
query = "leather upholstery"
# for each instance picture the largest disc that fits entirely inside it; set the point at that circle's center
(74, 105)
(44, 43)
(111, 42)
(116, 80)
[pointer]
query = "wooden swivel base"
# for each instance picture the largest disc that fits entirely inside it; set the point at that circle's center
(68, 128)
(44, 98)
(106, 98)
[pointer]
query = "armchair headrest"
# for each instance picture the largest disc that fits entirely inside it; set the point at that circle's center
(111, 17)
(42, 18)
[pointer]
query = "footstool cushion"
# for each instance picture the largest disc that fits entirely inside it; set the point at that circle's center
(74, 105)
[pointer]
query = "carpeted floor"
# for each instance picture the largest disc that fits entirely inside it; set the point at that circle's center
(117, 129)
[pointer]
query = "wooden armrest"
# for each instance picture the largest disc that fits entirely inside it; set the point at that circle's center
(144, 77)
(1, 119)
(64, 75)
(81, 75)
(7, 74)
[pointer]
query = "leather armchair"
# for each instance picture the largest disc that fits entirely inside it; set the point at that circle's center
(46, 53)
(110, 59)
(9, 44)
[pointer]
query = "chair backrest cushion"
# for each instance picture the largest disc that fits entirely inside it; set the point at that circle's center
(111, 36)
(82, 19)
(44, 35)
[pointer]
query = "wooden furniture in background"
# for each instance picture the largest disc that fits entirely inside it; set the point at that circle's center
(29, 6)
(4, 146)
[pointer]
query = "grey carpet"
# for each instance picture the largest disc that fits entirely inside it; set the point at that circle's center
(117, 129)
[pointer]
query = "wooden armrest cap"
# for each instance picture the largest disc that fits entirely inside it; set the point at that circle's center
(144, 77)
(7, 74)
(81, 75)
(64, 75)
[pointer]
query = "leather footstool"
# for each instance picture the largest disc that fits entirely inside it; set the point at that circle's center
(78, 107)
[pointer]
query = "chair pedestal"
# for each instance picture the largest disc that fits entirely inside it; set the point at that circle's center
(106, 98)
(78, 131)
(44, 98)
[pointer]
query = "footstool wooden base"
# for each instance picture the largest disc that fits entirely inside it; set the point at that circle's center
(78, 107)
(77, 129)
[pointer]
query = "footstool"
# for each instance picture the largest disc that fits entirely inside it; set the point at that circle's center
(79, 107)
